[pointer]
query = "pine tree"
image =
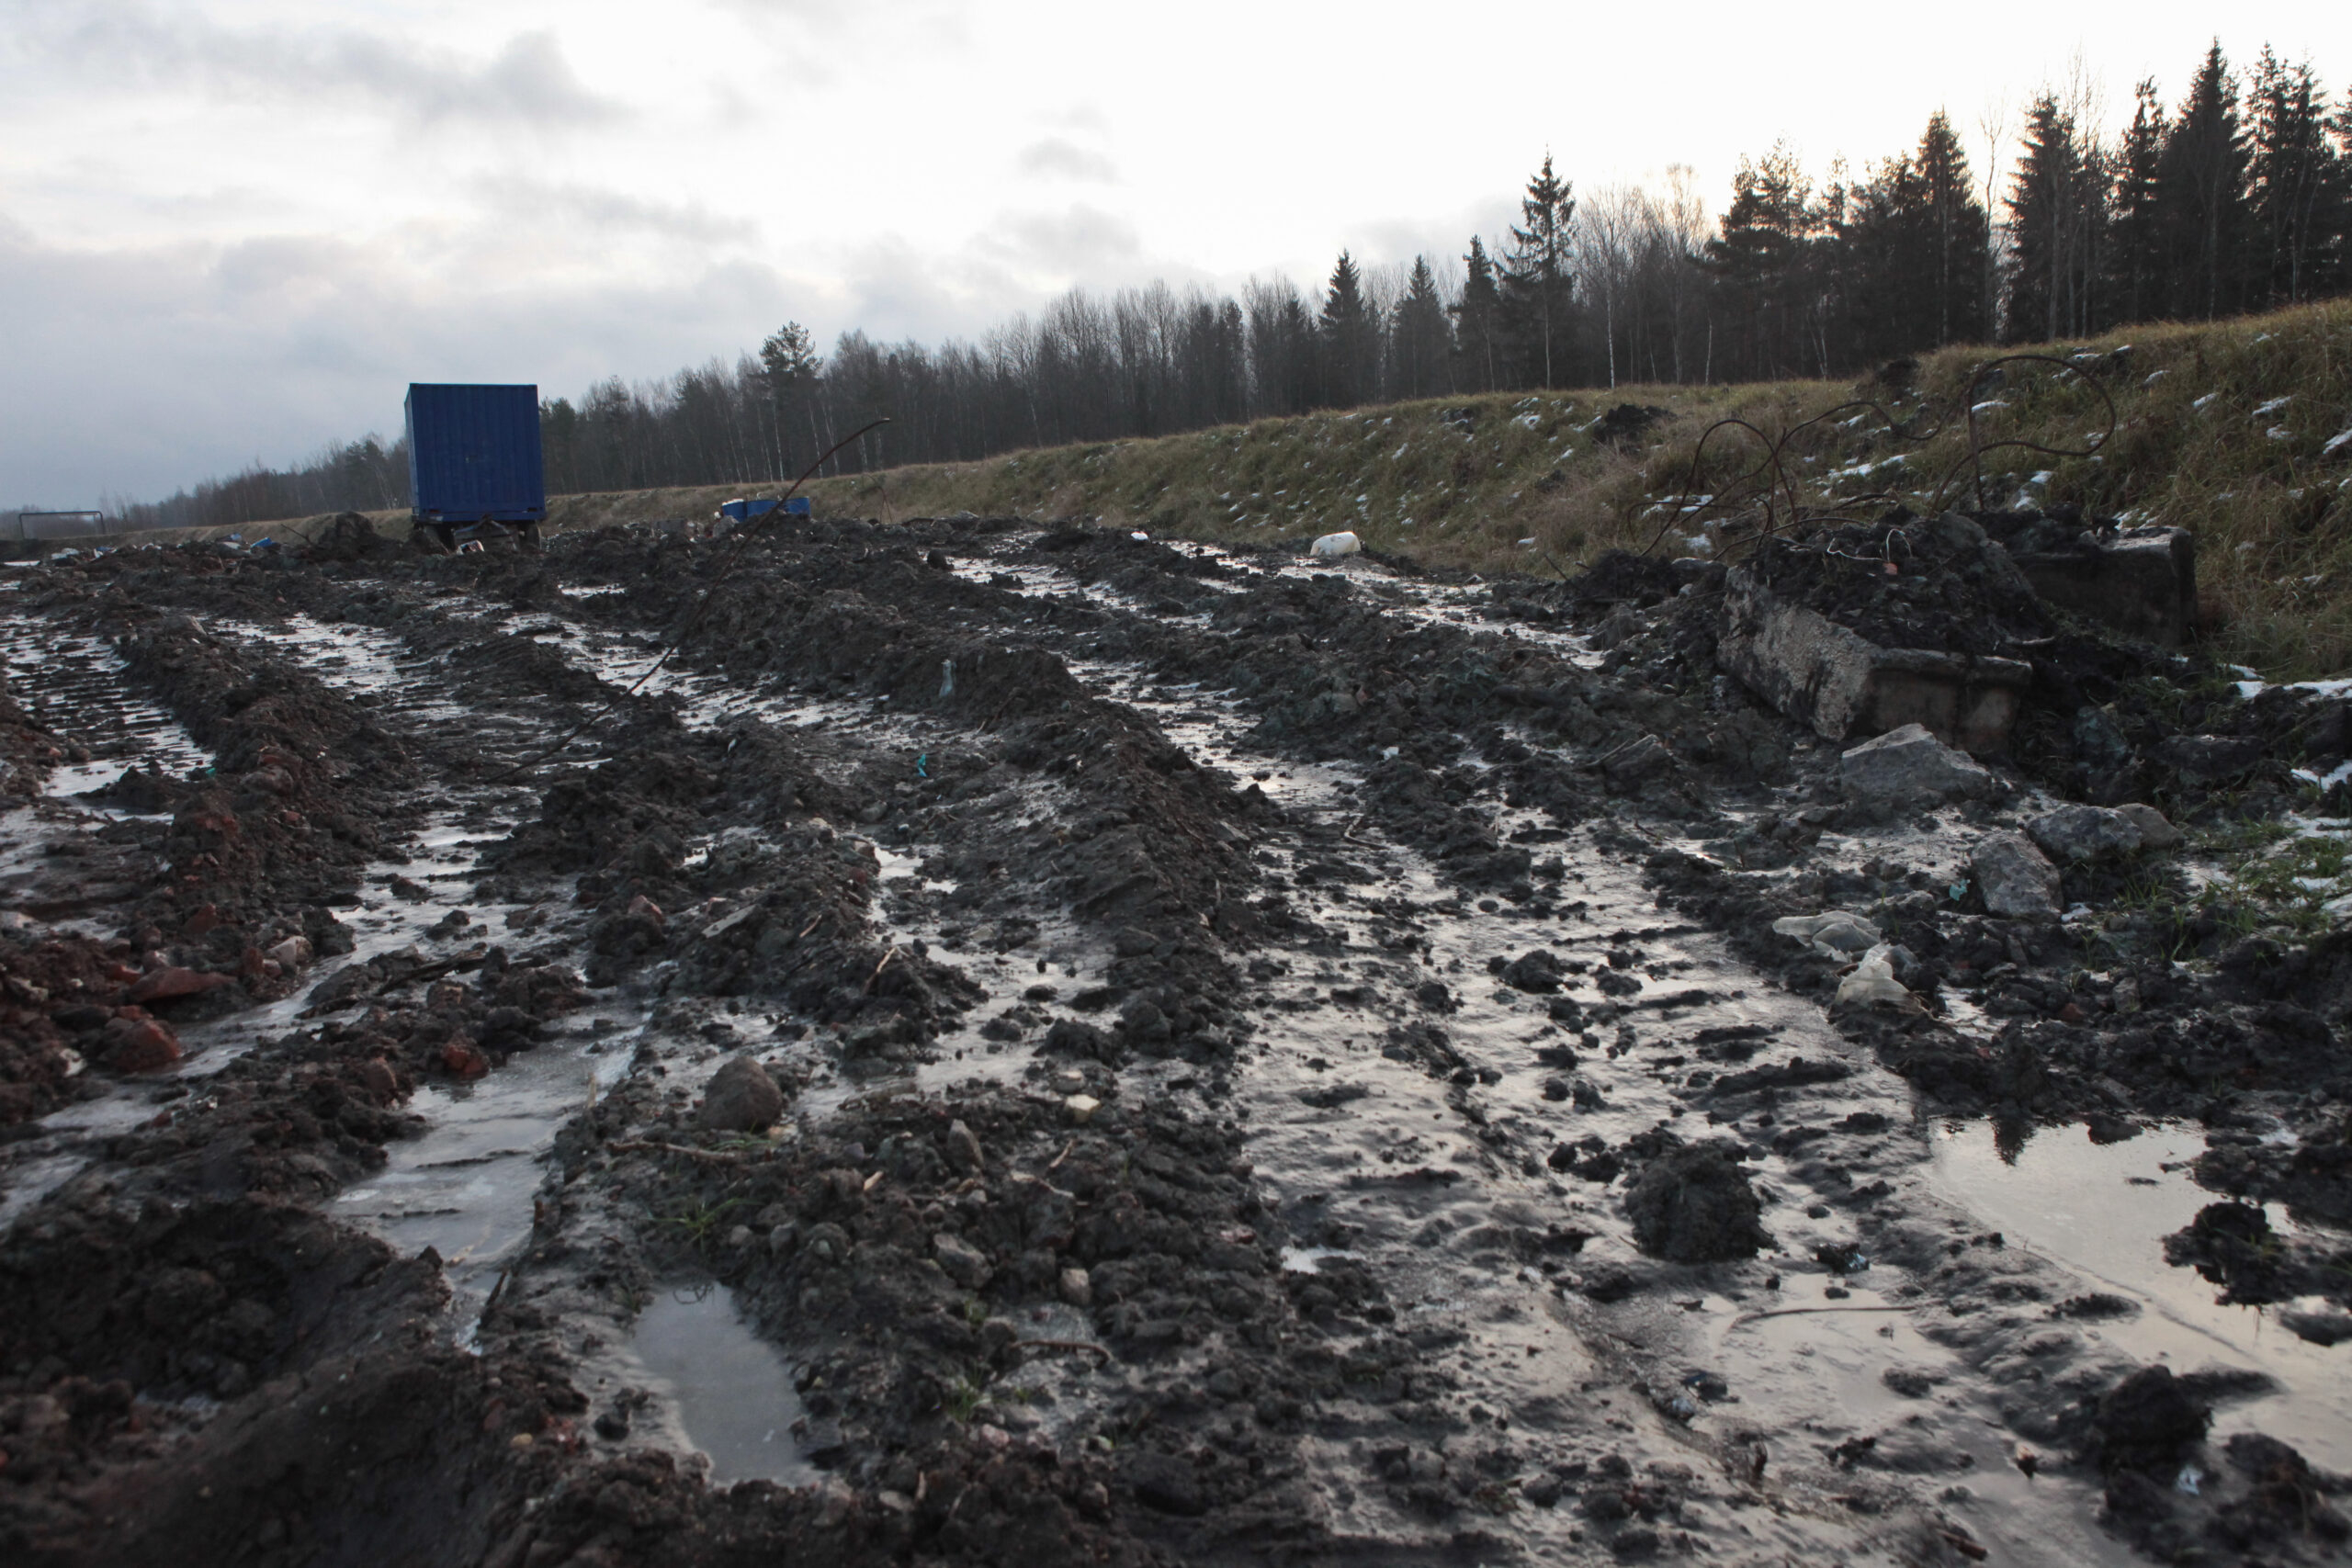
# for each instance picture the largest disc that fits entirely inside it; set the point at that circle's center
(2201, 191)
(1537, 281)
(2136, 253)
(1764, 264)
(1478, 323)
(1349, 333)
(2055, 206)
(1880, 262)
(1958, 234)
(1419, 345)
(2298, 180)
(790, 365)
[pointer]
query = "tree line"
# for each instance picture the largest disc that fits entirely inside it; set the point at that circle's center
(2237, 199)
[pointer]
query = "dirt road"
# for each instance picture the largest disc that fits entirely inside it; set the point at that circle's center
(1023, 1044)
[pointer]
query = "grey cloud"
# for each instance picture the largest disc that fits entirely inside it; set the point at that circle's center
(527, 79)
(1058, 156)
(1079, 239)
(602, 211)
(270, 349)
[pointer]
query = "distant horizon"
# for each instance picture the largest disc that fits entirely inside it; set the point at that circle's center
(231, 235)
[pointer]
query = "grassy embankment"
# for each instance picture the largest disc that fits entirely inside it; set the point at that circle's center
(1518, 482)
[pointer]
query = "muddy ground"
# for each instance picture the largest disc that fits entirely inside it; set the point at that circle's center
(986, 1041)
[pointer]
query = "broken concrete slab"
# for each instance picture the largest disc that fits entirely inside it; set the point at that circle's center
(1908, 764)
(1841, 683)
(2014, 877)
(2142, 582)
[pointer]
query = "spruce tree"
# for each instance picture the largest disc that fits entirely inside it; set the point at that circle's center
(2135, 254)
(2055, 203)
(1958, 233)
(1537, 282)
(1880, 264)
(1478, 323)
(789, 364)
(2201, 190)
(1419, 345)
(1350, 339)
(1764, 266)
(2298, 184)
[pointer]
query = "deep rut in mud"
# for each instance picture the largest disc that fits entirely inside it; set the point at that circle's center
(1033, 1044)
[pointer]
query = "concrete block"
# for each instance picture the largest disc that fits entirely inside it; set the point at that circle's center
(1842, 684)
(2142, 583)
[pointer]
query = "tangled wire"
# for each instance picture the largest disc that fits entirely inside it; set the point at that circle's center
(1785, 508)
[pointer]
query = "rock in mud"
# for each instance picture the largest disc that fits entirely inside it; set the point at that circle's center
(2015, 877)
(2073, 834)
(1908, 764)
(2156, 831)
(1636, 759)
(134, 1043)
(2147, 1422)
(2232, 1245)
(1538, 972)
(172, 982)
(964, 1263)
(1167, 1485)
(964, 1148)
(741, 1098)
(1695, 1205)
(2319, 1325)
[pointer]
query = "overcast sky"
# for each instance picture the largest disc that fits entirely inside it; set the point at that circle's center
(234, 230)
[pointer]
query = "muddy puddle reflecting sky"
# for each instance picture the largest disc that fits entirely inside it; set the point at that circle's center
(2103, 1210)
(731, 1391)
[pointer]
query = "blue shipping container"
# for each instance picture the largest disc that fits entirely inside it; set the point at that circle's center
(473, 454)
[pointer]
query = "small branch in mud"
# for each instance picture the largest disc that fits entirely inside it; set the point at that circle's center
(889, 955)
(434, 971)
(1809, 1311)
(647, 1145)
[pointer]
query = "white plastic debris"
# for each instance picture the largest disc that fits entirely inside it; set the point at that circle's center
(1337, 545)
(1872, 982)
(1139, 537)
(1836, 934)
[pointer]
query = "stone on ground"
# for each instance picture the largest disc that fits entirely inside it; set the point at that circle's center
(2156, 831)
(2076, 833)
(2015, 877)
(1909, 764)
(741, 1098)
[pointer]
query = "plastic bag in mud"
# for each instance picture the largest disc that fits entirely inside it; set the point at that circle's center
(1337, 544)
(1872, 981)
(1836, 934)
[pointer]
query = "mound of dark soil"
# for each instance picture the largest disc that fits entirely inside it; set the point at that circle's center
(1694, 1204)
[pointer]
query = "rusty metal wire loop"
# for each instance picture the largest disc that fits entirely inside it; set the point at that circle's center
(1774, 481)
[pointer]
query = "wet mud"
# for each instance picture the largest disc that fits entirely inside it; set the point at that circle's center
(978, 1041)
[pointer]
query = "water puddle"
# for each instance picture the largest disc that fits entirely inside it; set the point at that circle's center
(464, 1187)
(2103, 1210)
(733, 1390)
